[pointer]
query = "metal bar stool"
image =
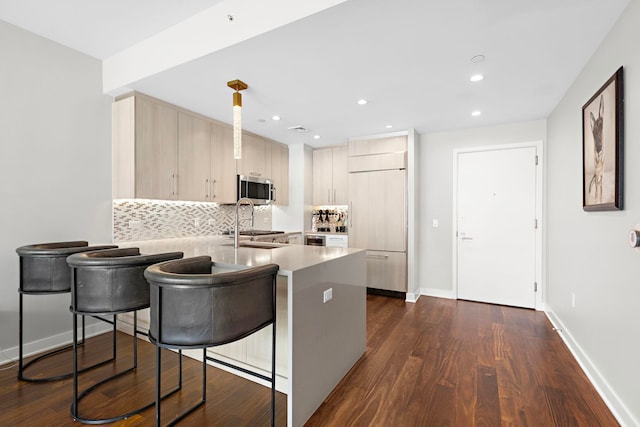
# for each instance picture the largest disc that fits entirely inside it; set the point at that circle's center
(193, 308)
(109, 282)
(44, 271)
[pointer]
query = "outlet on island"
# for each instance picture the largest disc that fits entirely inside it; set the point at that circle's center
(327, 295)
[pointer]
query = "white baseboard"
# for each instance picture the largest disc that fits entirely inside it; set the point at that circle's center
(438, 293)
(611, 399)
(54, 341)
(411, 297)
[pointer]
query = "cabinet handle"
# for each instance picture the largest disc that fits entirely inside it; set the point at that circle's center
(206, 188)
(213, 188)
(273, 193)
(328, 195)
(350, 214)
(172, 184)
(378, 256)
(255, 174)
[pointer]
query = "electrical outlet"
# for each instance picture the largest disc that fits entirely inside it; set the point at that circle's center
(212, 221)
(327, 295)
(436, 224)
(196, 222)
(135, 224)
(266, 220)
(573, 299)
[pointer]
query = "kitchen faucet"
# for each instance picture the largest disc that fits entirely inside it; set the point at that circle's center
(236, 235)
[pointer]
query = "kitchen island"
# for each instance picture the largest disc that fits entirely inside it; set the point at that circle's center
(321, 309)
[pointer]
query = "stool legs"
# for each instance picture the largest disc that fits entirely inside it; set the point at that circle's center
(23, 366)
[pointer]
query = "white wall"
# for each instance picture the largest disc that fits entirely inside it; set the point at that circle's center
(55, 168)
(588, 253)
(436, 189)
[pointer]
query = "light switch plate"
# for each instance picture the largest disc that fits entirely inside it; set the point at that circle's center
(327, 295)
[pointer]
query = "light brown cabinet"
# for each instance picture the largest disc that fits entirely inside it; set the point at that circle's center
(330, 176)
(223, 165)
(206, 167)
(256, 157)
(194, 158)
(280, 172)
(163, 152)
(145, 149)
(378, 209)
(389, 144)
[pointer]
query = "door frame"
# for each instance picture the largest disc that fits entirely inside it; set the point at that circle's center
(540, 215)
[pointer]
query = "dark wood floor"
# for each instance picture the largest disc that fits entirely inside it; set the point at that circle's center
(434, 363)
(457, 363)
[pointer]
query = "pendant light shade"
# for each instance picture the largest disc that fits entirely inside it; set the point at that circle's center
(237, 85)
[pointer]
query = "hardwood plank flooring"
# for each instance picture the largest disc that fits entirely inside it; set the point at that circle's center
(458, 363)
(434, 363)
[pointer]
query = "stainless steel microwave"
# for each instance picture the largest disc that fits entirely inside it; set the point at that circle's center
(261, 191)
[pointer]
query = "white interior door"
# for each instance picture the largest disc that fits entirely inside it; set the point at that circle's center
(496, 209)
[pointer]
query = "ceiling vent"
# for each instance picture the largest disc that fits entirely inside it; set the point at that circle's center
(298, 129)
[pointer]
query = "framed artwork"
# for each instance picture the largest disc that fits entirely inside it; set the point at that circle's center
(602, 147)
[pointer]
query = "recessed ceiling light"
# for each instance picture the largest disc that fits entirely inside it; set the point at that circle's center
(316, 136)
(276, 117)
(476, 113)
(476, 78)
(362, 101)
(389, 126)
(477, 59)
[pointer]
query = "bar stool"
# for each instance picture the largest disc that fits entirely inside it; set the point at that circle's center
(193, 308)
(44, 271)
(109, 282)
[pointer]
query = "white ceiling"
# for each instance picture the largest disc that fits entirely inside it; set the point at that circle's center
(409, 58)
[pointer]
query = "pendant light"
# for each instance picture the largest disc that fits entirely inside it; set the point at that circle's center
(237, 85)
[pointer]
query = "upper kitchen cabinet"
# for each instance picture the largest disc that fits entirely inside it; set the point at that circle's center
(206, 167)
(330, 176)
(280, 172)
(145, 149)
(194, 158)
(256, 157)
(223, 165)
(366, 147)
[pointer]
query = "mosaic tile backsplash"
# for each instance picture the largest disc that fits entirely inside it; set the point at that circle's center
(135, 220)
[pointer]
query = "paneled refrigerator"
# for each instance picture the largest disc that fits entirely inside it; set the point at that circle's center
(378, 220)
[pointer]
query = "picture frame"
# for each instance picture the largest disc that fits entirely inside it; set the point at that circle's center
(602, 147)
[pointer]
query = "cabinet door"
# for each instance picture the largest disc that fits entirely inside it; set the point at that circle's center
(256, 157)
(340, 176)
(194, 158)
(156, 150)
(377, 210)
(378, 146)
(336, 241)
(387, 270)
(280, 172)
(322, 176)
(223, 165)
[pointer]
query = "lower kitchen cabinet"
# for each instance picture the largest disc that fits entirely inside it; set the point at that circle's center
(255, 350)
(387, 270)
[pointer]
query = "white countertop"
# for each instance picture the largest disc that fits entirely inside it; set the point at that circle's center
(290, 258)
(324, 233)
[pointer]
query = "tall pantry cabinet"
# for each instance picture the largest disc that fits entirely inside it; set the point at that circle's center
(378, 209)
